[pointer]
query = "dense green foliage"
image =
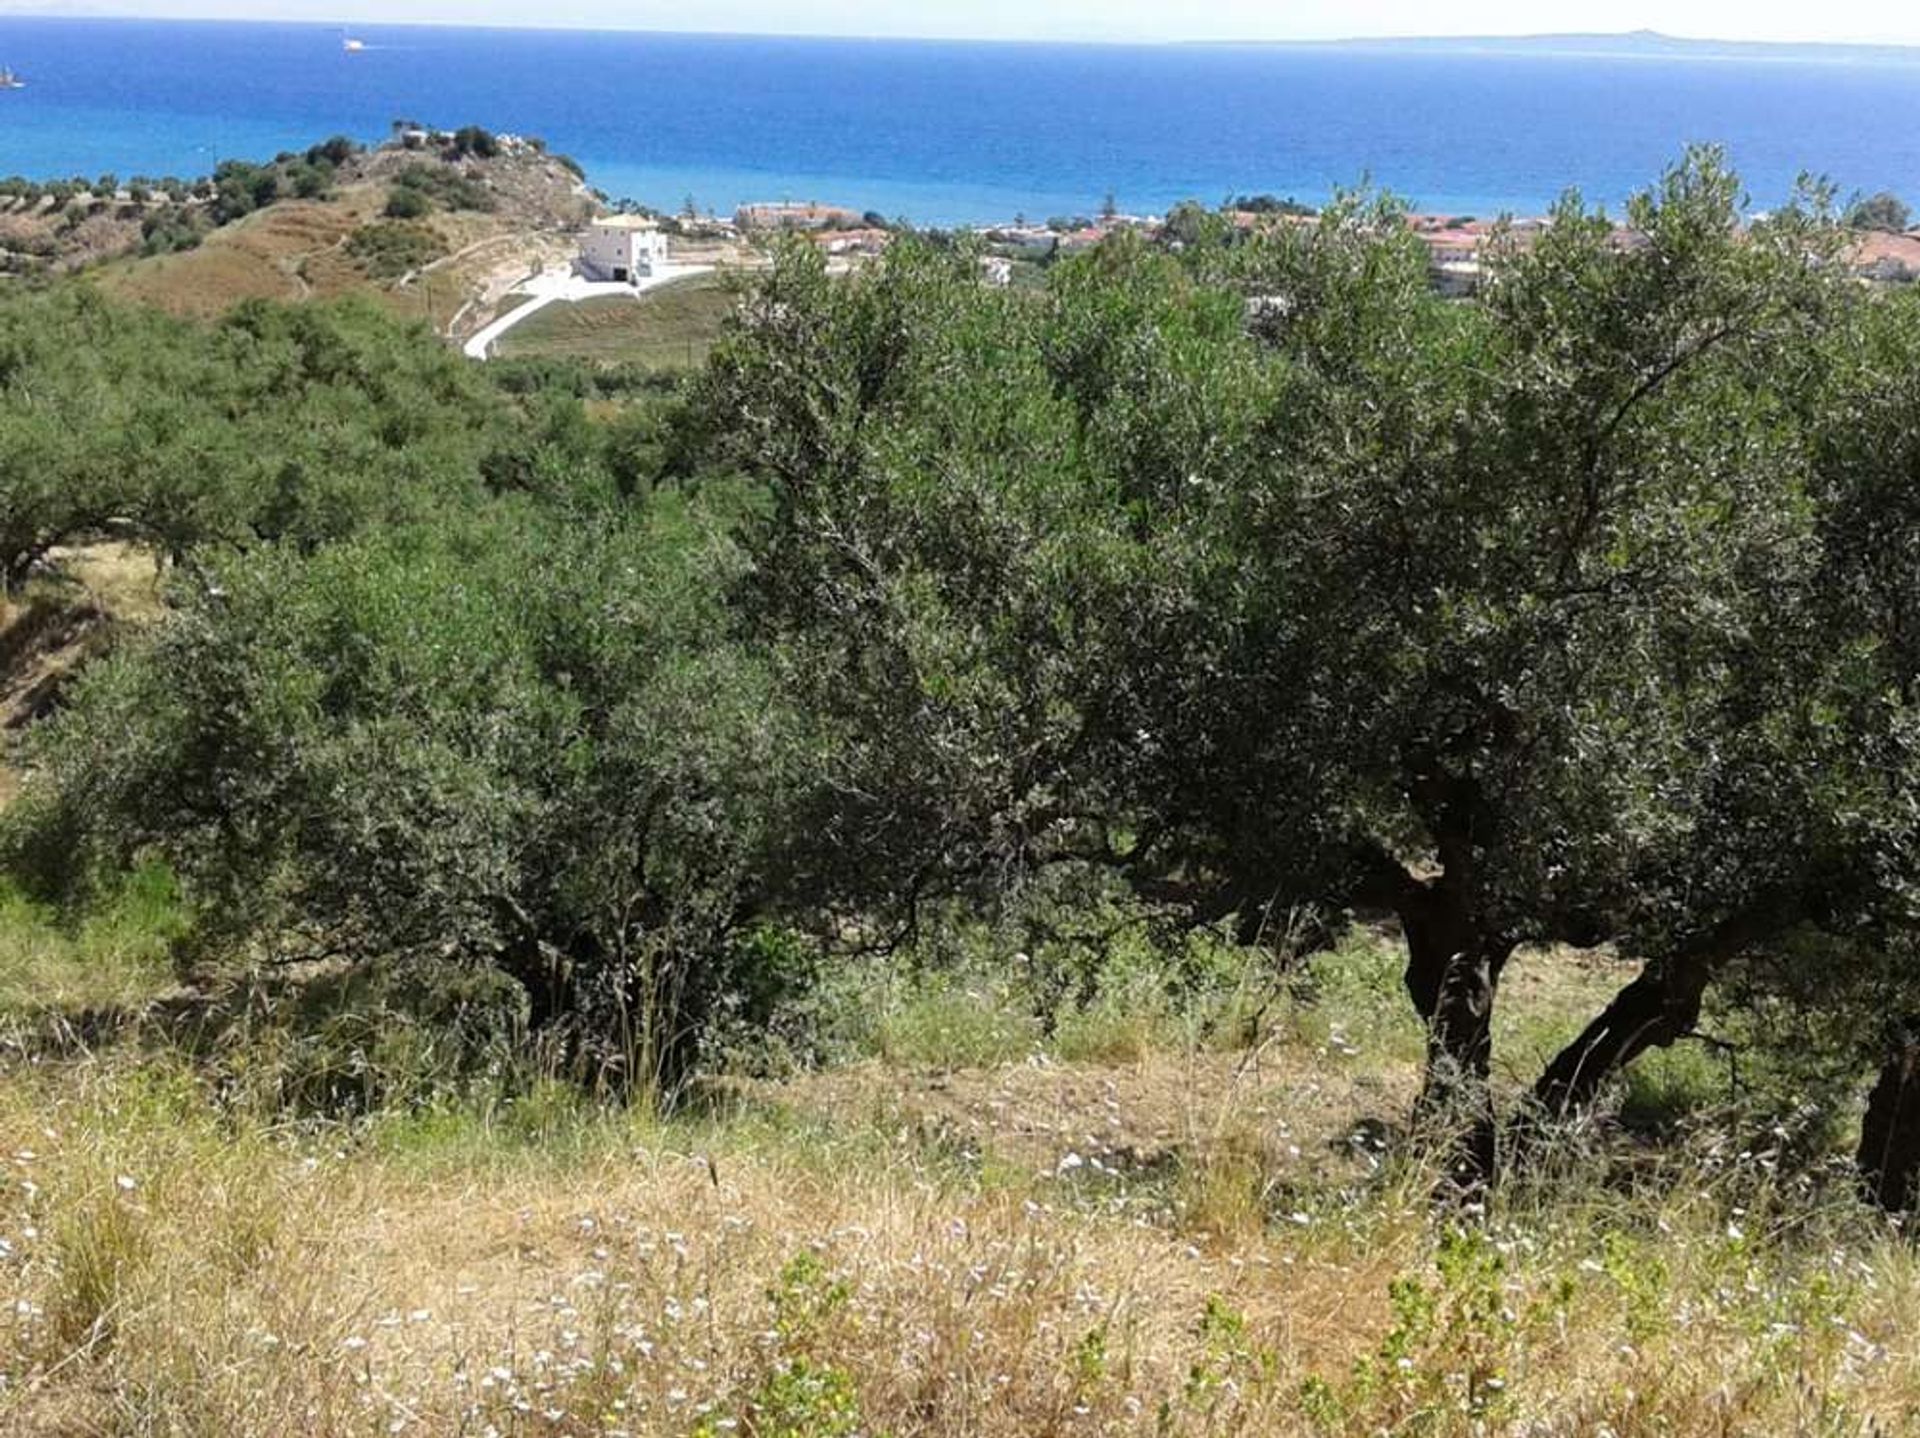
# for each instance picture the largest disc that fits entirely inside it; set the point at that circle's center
(394, 748)
(1882, 211)
(391, 248)
(1267, 205)
(474, 140)
(1243, 582)
(420, 189)
(361, 732)
(407, 203)
(1278, 583)
(278, 426)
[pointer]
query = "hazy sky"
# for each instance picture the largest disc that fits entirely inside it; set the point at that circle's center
(1892, 21)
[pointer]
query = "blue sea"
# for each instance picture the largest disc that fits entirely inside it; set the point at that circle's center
(946, 133)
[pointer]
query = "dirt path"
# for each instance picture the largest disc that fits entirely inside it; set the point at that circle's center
(512, 273)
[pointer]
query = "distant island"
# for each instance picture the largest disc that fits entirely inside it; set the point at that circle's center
(1627, 45)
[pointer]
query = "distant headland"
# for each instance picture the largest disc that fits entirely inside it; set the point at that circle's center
(1625, 45)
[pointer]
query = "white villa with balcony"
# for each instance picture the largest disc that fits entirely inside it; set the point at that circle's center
(624, 249)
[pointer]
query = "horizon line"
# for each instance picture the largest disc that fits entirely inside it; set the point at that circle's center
(1640, 37)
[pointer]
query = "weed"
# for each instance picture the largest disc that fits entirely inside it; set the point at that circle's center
(800, 1395)
(951, 1024)
(100, 1247)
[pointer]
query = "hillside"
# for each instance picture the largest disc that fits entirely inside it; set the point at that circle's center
(465, 222)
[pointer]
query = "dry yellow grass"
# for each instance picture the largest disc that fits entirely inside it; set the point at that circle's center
(169, 1268)
(1189, 1242)
(296, 250)
(260, 257)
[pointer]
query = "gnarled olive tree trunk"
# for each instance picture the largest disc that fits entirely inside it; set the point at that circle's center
(1888, 1158)
(1657, 1009)
(1453, 977)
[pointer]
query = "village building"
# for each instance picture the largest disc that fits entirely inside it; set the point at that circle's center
(1074, 242)
(784, 216)
(1886, 258)
(624, 249)
(1453, 253)
(1036, 241)
(863, 241)
(1453, 245)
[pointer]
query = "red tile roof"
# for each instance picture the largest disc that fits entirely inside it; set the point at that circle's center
(1880, 248)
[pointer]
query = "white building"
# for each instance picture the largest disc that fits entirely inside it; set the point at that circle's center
(624, 249)
(1456, 278)
(1032, 240)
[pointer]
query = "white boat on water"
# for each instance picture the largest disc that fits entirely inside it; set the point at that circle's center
(351, 45)
(10, 81)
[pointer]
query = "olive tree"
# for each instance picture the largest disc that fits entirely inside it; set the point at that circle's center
(275, 425)
(398, 747)
(1866, 602)
(1272, 579)
(1880, 211)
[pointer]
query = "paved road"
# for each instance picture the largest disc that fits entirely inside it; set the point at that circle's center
(551, 286)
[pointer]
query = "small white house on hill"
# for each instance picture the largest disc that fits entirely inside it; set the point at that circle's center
(624, 249)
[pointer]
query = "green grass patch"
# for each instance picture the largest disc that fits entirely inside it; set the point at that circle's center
(1352, 1000)
(673, 327)
(1665, 1088)
(952, 1024)
(114, 956)
(509, 303)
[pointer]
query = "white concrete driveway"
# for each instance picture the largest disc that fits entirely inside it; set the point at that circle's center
(551, 286)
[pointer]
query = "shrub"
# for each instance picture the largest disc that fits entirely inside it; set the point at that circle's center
(420, 187)
(239, 188)
(387, 251)
(311, 181)
(472, 140)
(394, 749)
(171, 229)
(335, 151)
(407, 203)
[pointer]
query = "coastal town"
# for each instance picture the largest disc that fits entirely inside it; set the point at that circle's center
(1457, 245)
(507, 248)
(634, 251)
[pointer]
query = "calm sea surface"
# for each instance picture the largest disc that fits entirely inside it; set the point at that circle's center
(948, 132)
